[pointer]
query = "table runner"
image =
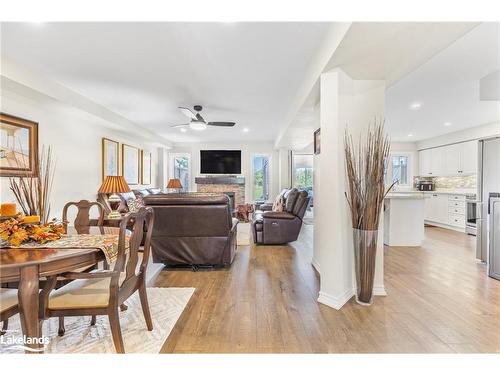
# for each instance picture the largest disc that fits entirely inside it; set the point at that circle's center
(108, 243)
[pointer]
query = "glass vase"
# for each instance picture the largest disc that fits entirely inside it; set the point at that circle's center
(365, 252)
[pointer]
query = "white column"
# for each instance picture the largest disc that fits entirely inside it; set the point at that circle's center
(343, 102)
(162, 173)
(284, 169)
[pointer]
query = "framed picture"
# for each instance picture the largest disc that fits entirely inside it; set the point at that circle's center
(146, 167)
(110, 152)
(130, 164)
(18, 146)
(317, 142)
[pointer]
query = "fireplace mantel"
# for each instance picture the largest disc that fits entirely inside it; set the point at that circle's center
(220, 180)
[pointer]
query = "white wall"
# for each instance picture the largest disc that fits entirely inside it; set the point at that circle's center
(356, 103)
(75, 137)
(477, 132)
(247, 150)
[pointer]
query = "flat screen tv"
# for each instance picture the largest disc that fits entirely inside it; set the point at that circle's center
(220, 161)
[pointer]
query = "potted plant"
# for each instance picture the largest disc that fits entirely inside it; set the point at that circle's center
(365, 167)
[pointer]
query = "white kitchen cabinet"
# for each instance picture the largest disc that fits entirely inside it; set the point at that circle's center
(437, 161)
(468, 157)
(436, 208)
(453, 160)
(425, 163)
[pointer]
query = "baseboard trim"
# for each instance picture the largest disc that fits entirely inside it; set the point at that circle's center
(333, 301)
(379, 290)
(315, 264)
(445, 226)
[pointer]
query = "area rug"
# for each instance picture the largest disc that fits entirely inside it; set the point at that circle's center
(166, 305)
(243, 236)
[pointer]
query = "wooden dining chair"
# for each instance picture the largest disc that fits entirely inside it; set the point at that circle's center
(82, 220)
(8, 307)
(101, 292)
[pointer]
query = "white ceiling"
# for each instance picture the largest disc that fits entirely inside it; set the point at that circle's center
(447, 86)
(242, 72)
(377, 51)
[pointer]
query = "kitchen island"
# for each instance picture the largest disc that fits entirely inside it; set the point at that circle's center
(404, 219)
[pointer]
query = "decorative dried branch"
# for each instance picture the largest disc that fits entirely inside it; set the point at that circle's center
(365, 166)
(32, 192)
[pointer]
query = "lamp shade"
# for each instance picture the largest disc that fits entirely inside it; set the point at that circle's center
(174, 183)
(114, 184)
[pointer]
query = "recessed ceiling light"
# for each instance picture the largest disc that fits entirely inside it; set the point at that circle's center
(410, 135)
(246, 130)
(415, 105)
(447, 124)
(183, 130)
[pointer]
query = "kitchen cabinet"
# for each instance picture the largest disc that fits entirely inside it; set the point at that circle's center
(437, 161)
(425, 162)
(436, 208)
(454, 160)
(468, 158)
(445, 210)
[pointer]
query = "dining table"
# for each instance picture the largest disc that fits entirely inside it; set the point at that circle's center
(28, 265)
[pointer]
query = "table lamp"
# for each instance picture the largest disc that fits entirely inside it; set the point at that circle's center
(174, 183)
(113, 185)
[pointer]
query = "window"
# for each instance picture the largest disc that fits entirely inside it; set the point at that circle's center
(400, 169)
(180, 167)
(302, 171)
(397, 170)
(260, 177)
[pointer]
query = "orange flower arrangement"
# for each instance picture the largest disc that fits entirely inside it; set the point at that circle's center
(16, 232)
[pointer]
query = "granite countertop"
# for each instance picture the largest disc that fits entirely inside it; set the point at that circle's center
(405, 195)
(439, 191)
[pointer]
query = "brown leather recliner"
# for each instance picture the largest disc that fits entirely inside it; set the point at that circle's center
(275, 228)
(192, 229)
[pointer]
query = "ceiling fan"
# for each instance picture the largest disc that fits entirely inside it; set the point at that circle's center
(197, 121)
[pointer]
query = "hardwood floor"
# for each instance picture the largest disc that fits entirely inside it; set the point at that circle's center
(439, 300)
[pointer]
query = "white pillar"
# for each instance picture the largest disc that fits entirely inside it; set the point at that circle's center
(355, 103)
(284, 165)
(162, 174)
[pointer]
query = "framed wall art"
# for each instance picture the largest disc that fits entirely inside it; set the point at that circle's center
(130, 164)
(145, 167)
(110, 157)
(18, 146)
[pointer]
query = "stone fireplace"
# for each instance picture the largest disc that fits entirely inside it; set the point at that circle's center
(223, 185)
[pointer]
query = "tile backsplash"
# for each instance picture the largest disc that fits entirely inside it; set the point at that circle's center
(454, 182)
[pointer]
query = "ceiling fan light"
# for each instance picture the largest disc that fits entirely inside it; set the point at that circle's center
(197, 125)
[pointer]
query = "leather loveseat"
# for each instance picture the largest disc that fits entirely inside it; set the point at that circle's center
(274, 228)
(192, 229)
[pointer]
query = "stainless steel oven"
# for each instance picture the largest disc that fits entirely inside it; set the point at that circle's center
(471, 212)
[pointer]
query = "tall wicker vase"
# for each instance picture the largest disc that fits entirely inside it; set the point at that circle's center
(365, 252)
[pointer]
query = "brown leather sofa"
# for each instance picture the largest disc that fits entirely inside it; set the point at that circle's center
(275, 228)
(192, 229)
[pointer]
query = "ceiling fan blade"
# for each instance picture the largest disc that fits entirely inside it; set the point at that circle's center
(221, 123)
(187, 112)
(179, 126)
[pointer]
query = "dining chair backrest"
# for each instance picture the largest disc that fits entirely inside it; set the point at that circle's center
(82, 220)
(134, 228)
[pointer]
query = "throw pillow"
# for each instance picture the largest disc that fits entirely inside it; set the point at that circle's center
(278, 204)
(134, 205)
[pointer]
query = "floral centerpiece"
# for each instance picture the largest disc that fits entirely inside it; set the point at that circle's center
(14, 232)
